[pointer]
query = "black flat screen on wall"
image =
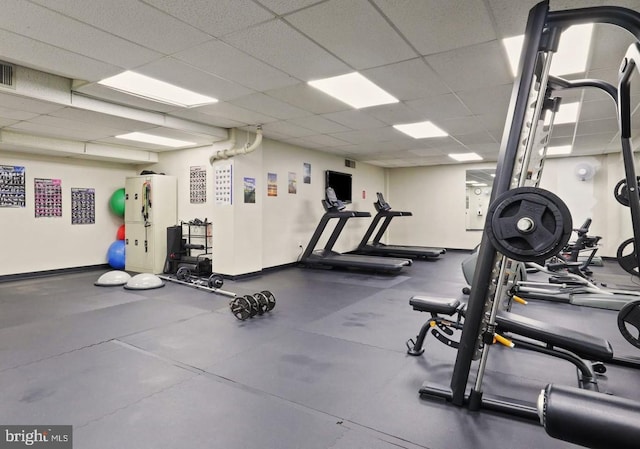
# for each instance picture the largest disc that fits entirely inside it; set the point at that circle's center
(341, 184)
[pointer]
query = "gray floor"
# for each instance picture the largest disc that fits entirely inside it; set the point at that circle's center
(327, 368)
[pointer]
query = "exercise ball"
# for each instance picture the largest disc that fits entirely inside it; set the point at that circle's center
(116, 202)
(120, 233)
(115, 255)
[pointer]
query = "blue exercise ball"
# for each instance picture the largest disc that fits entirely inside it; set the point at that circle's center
(115, 255)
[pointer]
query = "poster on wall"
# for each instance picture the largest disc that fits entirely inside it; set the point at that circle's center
(306, 173)
(272, 184)
(48, 197)
(83, 206)
(224, 185)
(197, 185)
(249, 190)
(12, 186)
(292, 183)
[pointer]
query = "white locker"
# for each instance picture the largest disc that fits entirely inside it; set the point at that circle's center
(151, 205)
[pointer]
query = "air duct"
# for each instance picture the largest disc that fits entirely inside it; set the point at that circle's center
(247, 148)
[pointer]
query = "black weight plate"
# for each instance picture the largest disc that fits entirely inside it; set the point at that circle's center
(621, 192)
(263, 305)
(240, 308)
(270, 299)
(548, 215)
(215, 281)
(627, 258)
(253, 304)
(629, 316)
(183, 273)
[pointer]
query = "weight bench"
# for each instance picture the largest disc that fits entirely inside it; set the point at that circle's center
(556, 341)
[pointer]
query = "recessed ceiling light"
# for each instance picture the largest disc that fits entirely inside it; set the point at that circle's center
(157, 140)
(354, 90)
(557, 151)
(152, 89)
(421, 130)
(481, 184)
(465, 157)
(572, 54)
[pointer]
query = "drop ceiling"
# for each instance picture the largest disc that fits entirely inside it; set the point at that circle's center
(442, 59)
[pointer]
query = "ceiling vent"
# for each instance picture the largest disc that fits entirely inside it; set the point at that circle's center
(6, 75)
(349, 163)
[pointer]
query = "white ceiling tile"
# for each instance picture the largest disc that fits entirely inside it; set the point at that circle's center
(354, 119)
(596, 110)
(354, 31)
(195, 115)
(370, 135)
(597, 126)
(97, 131)
(8, 113)
(303, 142)
(176, 72)
(270, 106)
(594, 142)
(482, 65)
(281, 46)
(6, 121)
(609, 45)
(287, 6)
(309, 98)
(217, 17)
(63, 32)
(407, 80)
(462, 126)
(47, 58)
(484, 149)
(225, 61)
(325, 141)
(487, 99)
(230, 111)
(426, 152)
(564, 130)
(481, 137)
(439, 107)
(132, 20)
(511, 16)
(428, 24)
(54, 131)
(319, 124)
(395, 114)
(289, 129)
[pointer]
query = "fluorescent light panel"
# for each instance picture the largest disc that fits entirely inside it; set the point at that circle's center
(465, 157)
(421, 130)
(152, 89)
(156, 140)
(567, 113)
(354, 90)
(557, 151)
(572, 54)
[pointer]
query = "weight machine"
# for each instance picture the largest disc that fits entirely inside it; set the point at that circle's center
(525, 223)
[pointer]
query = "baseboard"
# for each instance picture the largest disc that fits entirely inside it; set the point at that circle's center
(272, 269)
(56, 272)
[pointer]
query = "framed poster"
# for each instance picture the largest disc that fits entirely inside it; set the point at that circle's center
(12, 186)
(249, 190)
(293, 188)
(272, 184)
(83, 206)
(224, 184)
(306, 173)
(197, 185)
(48, 197)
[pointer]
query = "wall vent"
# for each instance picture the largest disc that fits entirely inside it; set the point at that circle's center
(6, 75)
(349, 163)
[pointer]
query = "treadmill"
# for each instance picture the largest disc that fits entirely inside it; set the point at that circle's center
(326, 257)
(375, 247)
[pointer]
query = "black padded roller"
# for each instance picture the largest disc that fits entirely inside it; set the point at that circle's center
(590, 419)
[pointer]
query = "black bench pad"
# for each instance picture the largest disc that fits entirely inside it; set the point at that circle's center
(584, 345)
(446, 306)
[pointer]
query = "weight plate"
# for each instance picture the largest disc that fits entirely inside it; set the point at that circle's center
(271, 300)
(240, 308)
(253, 304)
(183, 273)
(621, 192)
(529, 224)
(627, 257)
(629, 317)
(262, 303)
(215, 281)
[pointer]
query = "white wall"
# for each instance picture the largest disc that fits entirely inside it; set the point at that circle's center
(32, 244)
(249, 237)
(437, 198)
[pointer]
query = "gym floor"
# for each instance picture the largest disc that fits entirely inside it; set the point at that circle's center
(327, 368)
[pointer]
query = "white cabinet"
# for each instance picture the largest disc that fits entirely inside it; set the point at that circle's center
(151, 205)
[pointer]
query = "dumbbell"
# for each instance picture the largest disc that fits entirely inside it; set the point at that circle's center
(248, 306)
